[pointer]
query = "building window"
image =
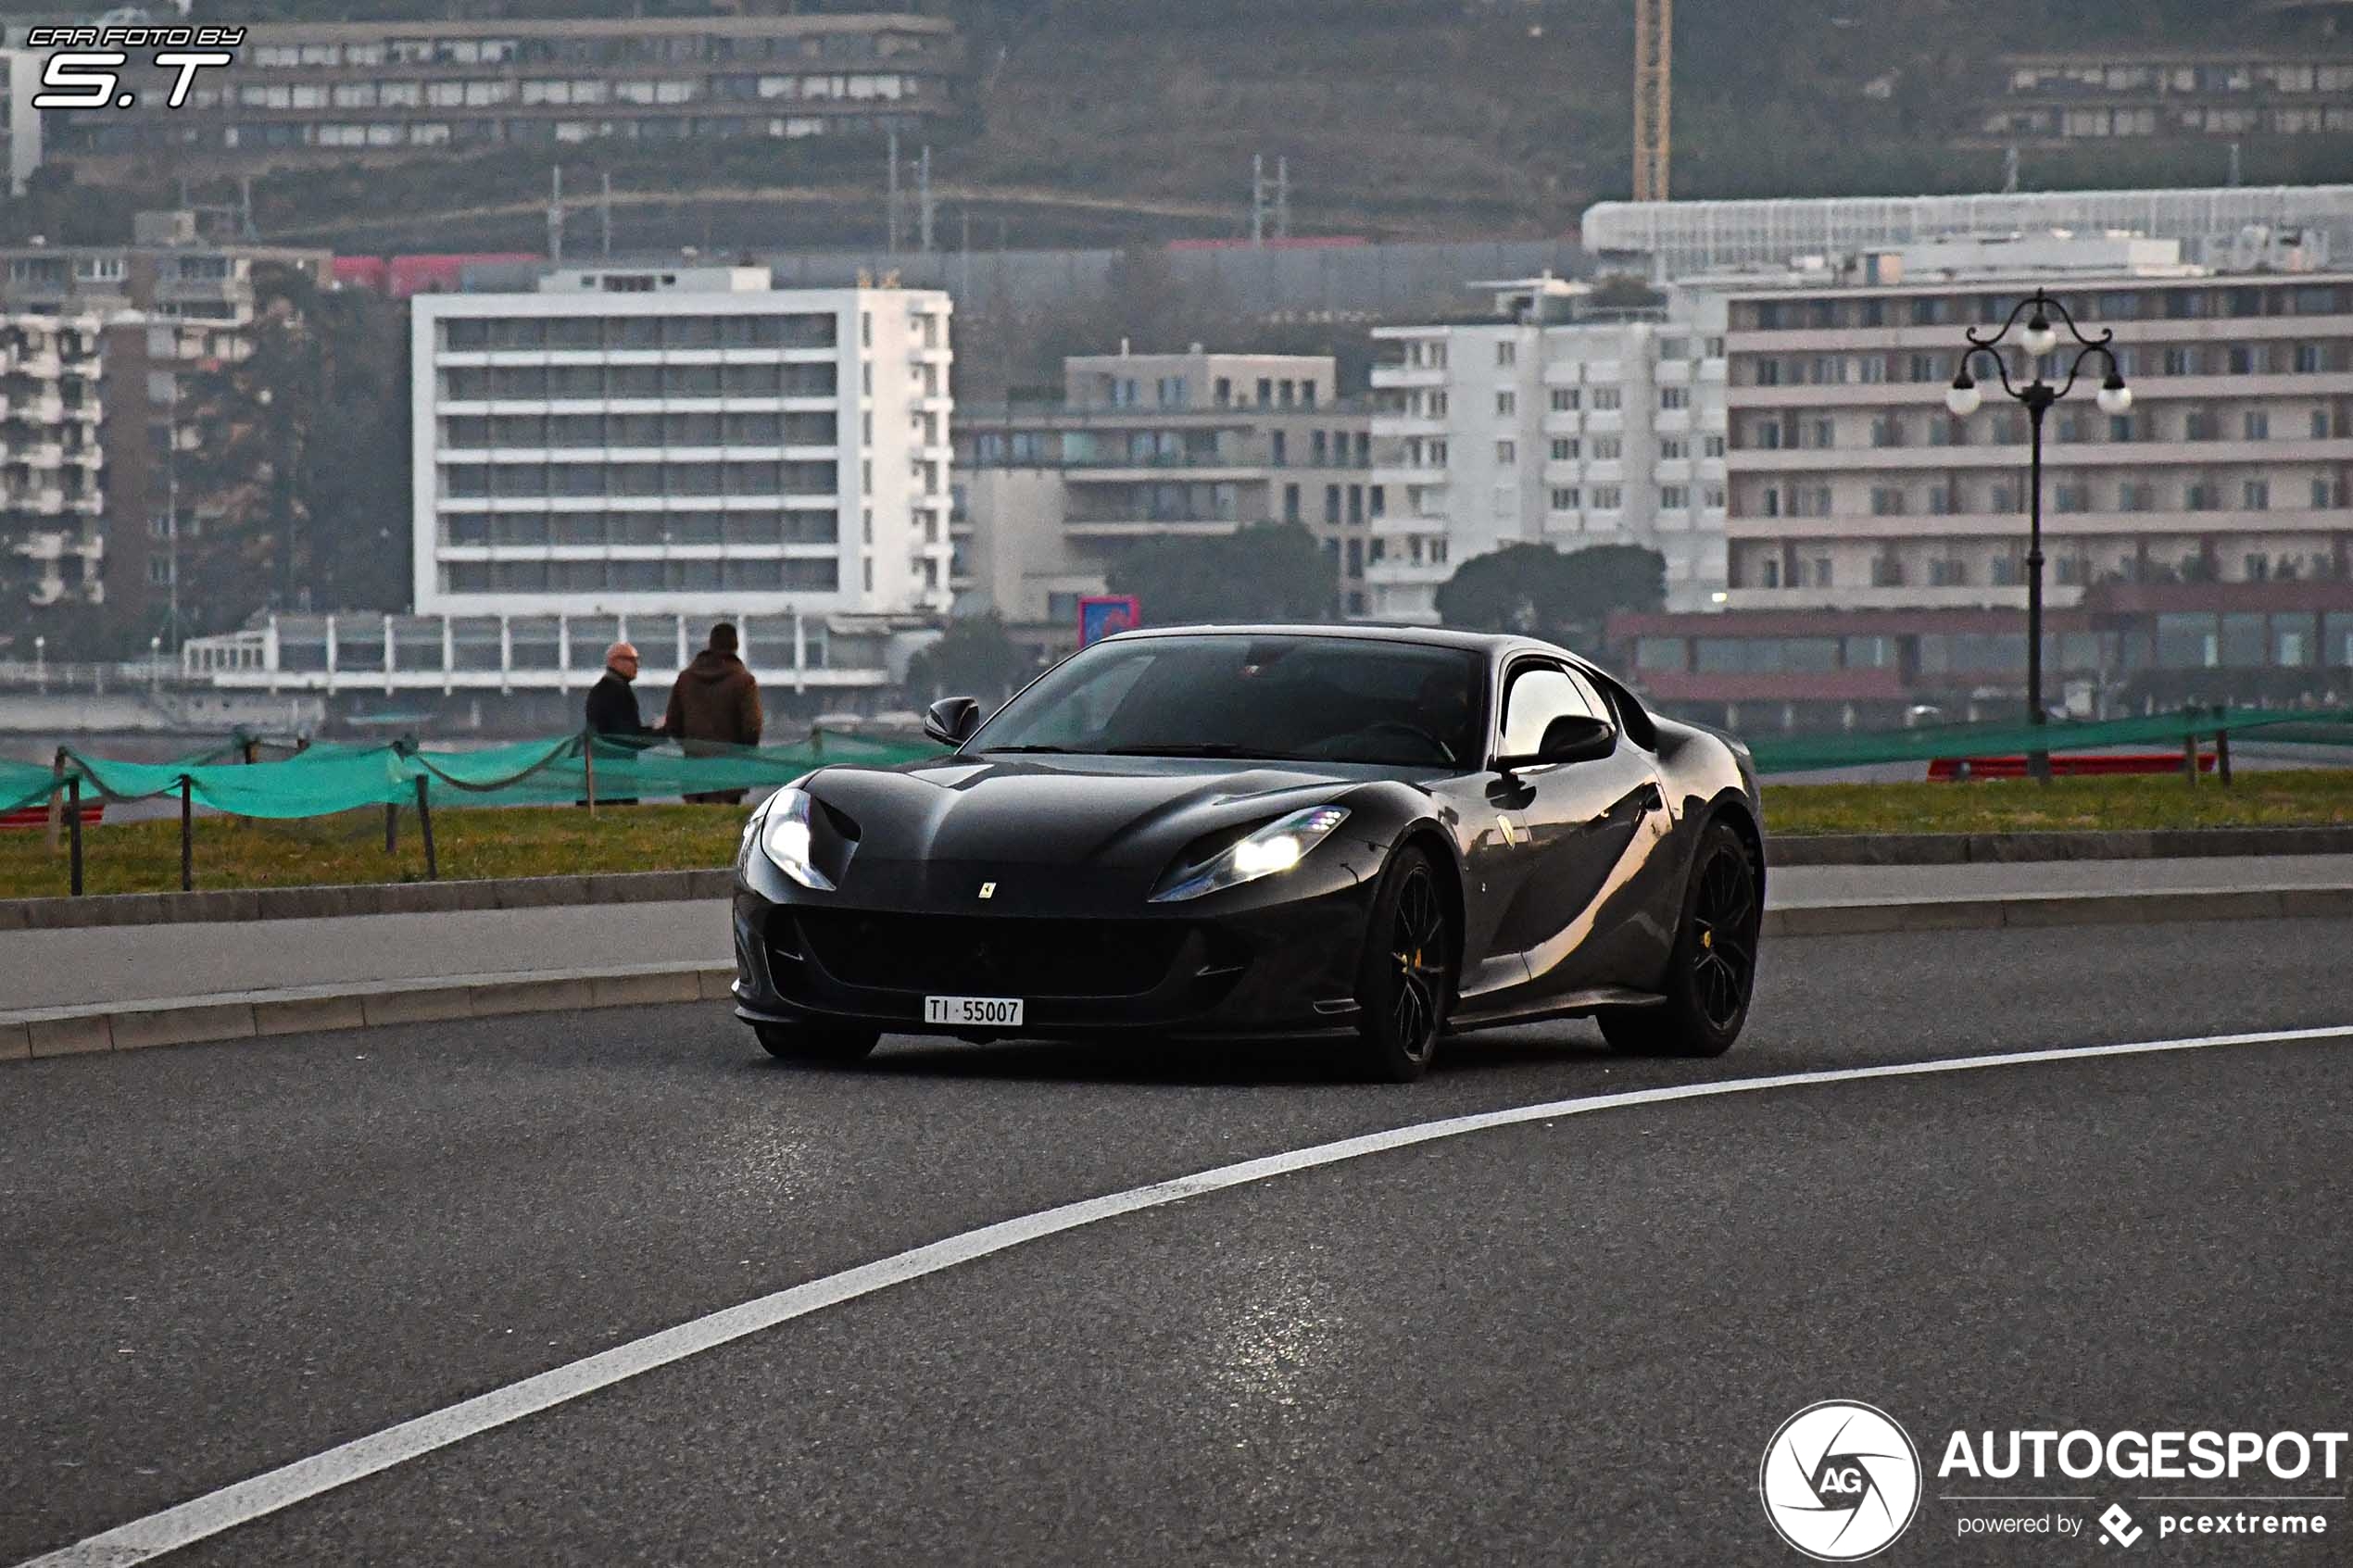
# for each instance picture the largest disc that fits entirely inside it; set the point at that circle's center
(1507, 404)
(1607, 448)
(1887, 500)
(2257, 425)
(2257, 494)
(2075, 496)
(1506, 453)
(1674, 397)
(1675, 497)
(1565, 449)
(1673, 449)
(1507, 354)
(1606, 399)
(1607, 497)
(1566, 399)
(1564, 499)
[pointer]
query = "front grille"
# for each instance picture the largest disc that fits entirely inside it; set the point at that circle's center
(986, 956)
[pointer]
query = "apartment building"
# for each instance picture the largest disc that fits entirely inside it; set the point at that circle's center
(334, 92)
(685, 441)
(52, 463)
(2200, 544)
(1682, 239)
(2288, 71)
(1146, 445)
(100, 339)
(1549, 422)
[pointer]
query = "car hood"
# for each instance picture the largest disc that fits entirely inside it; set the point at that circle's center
(1127, 813)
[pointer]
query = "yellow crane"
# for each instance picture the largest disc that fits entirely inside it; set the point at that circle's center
(1654, 74)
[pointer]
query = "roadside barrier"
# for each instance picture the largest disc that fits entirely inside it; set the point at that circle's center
(2181, 731)
(317, 781)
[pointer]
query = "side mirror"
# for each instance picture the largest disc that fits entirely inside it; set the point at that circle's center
(1572, 737)
(952, 719)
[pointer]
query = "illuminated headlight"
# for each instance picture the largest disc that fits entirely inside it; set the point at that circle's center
(1275, 848)
(782, 827)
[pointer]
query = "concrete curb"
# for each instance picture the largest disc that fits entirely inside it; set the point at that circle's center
(642, 887)
(1966, 848)
(1994, 911)
(388, 898)
(301, 1009)
(178, 1021)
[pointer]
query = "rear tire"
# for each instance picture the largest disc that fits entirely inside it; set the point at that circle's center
(1406, 982)
(1712, 972)
(816, 1042)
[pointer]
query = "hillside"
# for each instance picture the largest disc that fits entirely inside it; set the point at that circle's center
(1107, 122)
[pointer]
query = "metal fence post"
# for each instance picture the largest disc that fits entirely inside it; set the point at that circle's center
(58, 772)
(2222, 746)
(588, 766)
(73, 806)
(188, 834)
(2189, 755)
(424, 827)
(392, 828)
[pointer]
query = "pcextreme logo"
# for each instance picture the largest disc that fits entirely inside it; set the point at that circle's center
(1839, 1481)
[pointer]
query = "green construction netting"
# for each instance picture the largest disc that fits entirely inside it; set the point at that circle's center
(1797, 754)
(326, 779)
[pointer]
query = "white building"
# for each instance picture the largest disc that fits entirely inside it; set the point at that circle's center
(1551, 424)
(52, 500)
(1676, 239)
(683, 441)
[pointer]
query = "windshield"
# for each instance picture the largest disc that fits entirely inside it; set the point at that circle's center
(1338, 700)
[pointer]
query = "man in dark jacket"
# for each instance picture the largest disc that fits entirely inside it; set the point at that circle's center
(714, 705)
(612, 706)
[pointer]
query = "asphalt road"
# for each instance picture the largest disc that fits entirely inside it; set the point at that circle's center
(1564, 1341)
(42, 969)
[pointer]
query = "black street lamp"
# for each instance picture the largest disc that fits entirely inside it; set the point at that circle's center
(1964, 397)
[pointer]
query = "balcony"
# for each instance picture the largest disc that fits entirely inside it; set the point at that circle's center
(1409, 375)
(1400, 571)
(1967, 596)
(1133, 527)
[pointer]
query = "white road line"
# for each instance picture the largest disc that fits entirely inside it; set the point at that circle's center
(267, 1493)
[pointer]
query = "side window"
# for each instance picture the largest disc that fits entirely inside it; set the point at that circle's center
(1538, 697)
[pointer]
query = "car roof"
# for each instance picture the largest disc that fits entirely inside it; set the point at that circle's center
(1493, 643)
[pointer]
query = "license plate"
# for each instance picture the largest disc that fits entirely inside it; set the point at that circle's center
(987, 1013)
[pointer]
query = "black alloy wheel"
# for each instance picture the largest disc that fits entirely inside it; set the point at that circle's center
(1406, 981)
(1712, 973)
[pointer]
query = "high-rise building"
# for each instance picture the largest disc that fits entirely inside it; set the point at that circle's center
(100, 341)
(682, 439)
(1556, 422)
(20, 125)
(2198, 546)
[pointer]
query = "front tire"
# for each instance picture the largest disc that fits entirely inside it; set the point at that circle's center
(816, 1042)
(1406, 982)
(1712, 972)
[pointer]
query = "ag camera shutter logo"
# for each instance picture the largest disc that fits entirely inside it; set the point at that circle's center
(1839, 1481)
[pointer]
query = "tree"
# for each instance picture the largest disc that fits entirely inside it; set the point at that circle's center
(1537, 591)
(300, 466)
(974, 657)
(1263, 571)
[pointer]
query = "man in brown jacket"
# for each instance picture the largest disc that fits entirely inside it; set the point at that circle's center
(714, 705)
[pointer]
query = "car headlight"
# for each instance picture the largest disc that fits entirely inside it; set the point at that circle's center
(782, 830)
(1275, 848)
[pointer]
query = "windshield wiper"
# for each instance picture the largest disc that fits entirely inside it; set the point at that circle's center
(1002, 750)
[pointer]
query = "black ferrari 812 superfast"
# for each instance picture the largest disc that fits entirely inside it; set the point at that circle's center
(1382, 835)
